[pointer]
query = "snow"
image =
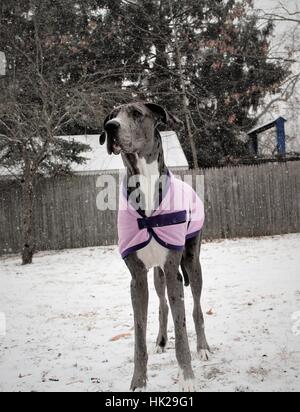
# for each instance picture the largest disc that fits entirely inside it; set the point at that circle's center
(63, 312)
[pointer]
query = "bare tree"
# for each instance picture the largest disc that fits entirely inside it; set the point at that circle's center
(29, 147)
(283, 14)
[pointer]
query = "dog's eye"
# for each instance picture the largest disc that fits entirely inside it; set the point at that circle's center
(137, 114)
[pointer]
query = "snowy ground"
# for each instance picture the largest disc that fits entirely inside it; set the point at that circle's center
(63, 312)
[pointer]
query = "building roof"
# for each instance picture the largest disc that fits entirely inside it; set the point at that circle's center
(98, 159)
(266, 126)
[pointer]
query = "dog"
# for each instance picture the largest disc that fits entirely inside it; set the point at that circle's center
(164, 241)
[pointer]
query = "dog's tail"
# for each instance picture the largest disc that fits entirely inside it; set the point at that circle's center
(185, 276)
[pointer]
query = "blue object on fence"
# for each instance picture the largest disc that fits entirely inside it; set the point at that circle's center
(280, 126)
(281, 139)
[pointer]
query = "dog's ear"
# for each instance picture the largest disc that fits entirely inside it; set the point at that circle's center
(102, 138)
(160, 113)
(163, 115)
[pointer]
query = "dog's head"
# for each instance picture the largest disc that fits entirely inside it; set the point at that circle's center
(131, 128)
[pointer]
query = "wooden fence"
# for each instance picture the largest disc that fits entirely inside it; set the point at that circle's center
(243, 201)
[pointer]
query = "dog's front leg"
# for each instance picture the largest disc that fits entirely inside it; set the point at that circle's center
(160, 286)
(176, 299)
(140, 298)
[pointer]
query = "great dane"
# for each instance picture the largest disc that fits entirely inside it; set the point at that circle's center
(132, 131)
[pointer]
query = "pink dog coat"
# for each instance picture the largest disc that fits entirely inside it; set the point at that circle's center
(179, 217)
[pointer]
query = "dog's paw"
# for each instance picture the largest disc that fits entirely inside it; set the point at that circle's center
(140, 390)
(186, 385)
(203, 355)
(138, 384)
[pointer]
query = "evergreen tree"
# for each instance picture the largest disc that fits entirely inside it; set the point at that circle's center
(207, 60)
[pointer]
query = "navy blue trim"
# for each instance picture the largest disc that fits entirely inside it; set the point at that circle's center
(164, 244)
(169, 219)
(136, 248)
(161, 242)
(193, 235)
(143, 245)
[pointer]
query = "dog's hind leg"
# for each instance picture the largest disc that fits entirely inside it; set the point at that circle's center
(195, 276)
(191, 264)
(160, 286)
(176, 299)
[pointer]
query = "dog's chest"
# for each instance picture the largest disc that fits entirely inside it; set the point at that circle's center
(149, 175)
(153, 255)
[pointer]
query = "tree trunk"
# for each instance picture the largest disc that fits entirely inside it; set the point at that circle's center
(28, 199)
(184, 97)
(189, 131)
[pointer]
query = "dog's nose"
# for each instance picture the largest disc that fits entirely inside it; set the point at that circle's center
(112, 126)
